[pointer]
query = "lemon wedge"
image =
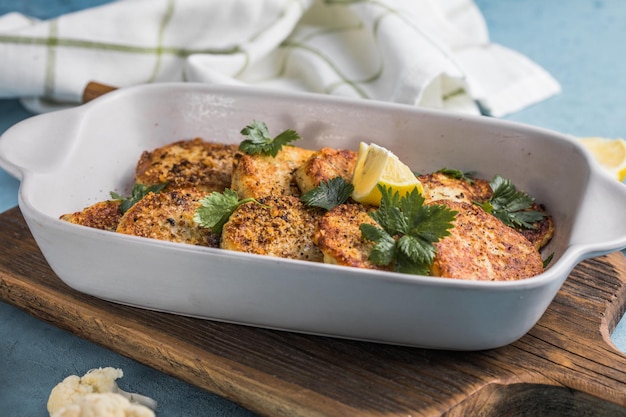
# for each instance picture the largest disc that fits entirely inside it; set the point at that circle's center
(377, 165)
(610, 153)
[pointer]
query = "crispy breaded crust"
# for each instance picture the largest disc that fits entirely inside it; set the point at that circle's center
(103, 215)
(481, 247)
(324, 165)
(438, 186)
(279, 226)
(260, 176)
(338, 236)
(168, 216)
(188, 163)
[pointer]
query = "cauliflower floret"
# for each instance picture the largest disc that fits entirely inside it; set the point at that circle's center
(97, 381)
(104, 405)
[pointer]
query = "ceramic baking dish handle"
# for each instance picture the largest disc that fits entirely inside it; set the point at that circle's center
(601, 225)
(28, 145)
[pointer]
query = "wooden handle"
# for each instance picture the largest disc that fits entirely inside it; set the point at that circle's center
(95, 90)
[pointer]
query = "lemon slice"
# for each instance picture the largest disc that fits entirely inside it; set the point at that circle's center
(377, 165)
(610, 153)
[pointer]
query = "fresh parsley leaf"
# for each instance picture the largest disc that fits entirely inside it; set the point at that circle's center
(384, 251)
(328, 194)
(138, 192)
(216, 208)
(458, 174)
(512, 207)
(408, 230)
(259, 140)
(407, 266)
(548, 260)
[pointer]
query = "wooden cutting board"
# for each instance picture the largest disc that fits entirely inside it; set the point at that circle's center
(565, 366)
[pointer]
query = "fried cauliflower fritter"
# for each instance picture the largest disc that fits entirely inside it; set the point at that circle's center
(168, 216)
(103, 215)
(188, 163)
(260, 176)
(339, 237)
(278, 226)
(324, 165)
(481, 247)
(439, 186)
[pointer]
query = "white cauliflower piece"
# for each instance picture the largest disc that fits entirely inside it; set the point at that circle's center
(97, 381)
(104, 405)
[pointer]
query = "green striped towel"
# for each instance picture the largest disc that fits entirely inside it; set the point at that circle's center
(429, 53)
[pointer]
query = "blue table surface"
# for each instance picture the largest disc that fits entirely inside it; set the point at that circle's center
(580, 42)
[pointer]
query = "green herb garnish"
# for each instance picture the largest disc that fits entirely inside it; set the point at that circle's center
(139, 191)
(216, 208)
(260, 142)
(408, 230)
(511, 206)
(458, 174)
(328, 194)
(548, 260)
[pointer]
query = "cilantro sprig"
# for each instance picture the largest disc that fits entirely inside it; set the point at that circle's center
(138, 192)
(408, 231)
(328, 194)
(511, 206)
(259, 140)
(216, 208)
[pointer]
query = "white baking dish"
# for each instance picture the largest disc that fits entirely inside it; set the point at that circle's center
(69, 159)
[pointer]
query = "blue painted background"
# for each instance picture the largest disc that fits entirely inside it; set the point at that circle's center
(581, 42)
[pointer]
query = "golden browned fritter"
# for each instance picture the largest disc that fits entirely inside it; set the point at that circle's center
(339, 237)
(168, 216)
(481, 247)
(260, 176)
(438, 186)
(324, 165)
(103, 215)
(278, 226)
(188, 163)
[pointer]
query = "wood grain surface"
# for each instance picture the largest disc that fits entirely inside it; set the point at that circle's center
(565, 366)
(94, 90)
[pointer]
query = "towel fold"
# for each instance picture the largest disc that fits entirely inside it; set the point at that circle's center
(429, 53)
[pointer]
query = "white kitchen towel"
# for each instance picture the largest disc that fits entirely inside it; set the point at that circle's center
(429, 53)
